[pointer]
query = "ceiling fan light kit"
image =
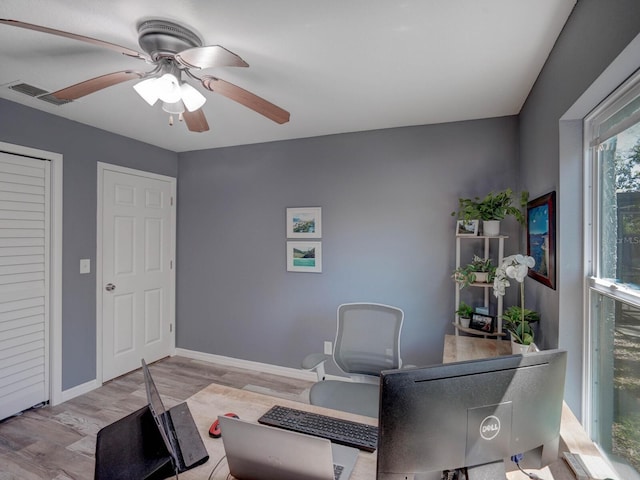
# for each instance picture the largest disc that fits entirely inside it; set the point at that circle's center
(192, 98)
(174, 50)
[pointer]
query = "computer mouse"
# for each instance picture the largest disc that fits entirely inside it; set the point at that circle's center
(214, 430)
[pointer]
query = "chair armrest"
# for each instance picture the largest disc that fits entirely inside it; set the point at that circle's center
(315, 362)
(312, 360)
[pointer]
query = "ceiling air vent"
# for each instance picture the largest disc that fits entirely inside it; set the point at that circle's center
(38, 93)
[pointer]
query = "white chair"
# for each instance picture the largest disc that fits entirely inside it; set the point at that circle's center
(367, 342)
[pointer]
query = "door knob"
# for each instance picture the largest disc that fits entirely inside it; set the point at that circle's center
(110, 287)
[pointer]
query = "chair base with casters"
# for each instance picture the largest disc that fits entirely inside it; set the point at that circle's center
(367, 342)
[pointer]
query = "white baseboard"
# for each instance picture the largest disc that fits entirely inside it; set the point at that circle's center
(221, 360)
(248, 365)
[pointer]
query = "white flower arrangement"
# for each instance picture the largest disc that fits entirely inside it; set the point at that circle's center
(516, 267)
(513, 266)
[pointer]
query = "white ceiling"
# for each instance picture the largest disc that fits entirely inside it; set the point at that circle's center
(336, 65)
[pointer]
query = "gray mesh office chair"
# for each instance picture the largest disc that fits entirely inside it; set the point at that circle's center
(367, 342)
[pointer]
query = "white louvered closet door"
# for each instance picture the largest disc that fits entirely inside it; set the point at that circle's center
(24, 282)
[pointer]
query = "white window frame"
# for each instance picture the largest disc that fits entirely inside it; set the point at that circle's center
(595, 285)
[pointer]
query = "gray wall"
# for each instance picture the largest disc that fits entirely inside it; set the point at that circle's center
(597, 31)
(386, 198)
(388, 236)
(82, 147)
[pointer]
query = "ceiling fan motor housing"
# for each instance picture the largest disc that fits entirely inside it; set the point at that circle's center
(160, 38)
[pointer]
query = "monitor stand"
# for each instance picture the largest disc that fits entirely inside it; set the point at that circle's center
(488, 471)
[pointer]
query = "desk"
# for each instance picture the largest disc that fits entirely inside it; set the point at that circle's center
(217, 399)
(458, 348)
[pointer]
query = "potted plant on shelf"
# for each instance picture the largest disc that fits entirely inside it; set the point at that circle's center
(464, 313)
(517, 318)
(480, 270)
(495, 206)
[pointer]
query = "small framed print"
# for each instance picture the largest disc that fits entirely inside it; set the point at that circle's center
(482, 322)
(304, 222)
(467, 228)
(304, 257)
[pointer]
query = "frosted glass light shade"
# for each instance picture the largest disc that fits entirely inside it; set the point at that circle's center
(191, 97)
(147, 90)
(168, 88)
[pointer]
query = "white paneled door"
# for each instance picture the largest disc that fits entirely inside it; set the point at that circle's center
(137, 272)
(24, 282)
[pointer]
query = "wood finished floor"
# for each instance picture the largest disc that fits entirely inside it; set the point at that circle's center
(59, 442)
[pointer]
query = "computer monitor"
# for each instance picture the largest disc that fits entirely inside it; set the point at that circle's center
(471, 414)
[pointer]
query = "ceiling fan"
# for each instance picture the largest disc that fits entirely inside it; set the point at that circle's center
(173, 50)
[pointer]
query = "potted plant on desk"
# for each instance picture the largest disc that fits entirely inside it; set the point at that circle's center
(518, 322)
(494, 207)
(517, 319)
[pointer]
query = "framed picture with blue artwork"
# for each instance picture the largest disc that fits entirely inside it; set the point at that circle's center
(304, 222)
(304, 257)
(541, 238)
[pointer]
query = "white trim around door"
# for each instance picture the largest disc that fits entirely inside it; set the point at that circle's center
(102, 168)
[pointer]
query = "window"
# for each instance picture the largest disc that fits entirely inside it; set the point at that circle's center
(613, 206)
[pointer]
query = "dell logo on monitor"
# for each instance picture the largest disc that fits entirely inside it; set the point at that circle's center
(490, 427)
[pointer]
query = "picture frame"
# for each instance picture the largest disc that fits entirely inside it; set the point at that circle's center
(482, 322)
(304, 257)
(467, 228)
(541, 238)
(304, 222)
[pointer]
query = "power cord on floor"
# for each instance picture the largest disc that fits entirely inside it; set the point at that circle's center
(516, 459)
(215, 467)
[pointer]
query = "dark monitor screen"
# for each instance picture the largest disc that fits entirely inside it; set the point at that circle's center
(470, 414)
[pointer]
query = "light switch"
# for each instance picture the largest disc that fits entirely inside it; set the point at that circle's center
(85, 265)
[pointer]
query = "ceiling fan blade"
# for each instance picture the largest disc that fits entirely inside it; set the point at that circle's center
(94, 84)
(73, 36)
(196, 121)
(248, 99)
(208, 57)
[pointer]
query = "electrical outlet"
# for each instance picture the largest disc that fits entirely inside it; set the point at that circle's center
(328, 348)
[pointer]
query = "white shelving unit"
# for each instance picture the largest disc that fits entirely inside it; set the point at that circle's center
(484, 290)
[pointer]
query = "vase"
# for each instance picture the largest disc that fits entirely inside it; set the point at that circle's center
(482, 277)
(465, 322)
(519, 348)
(491, 228)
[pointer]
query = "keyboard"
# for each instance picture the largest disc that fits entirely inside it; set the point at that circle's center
(343, 432)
